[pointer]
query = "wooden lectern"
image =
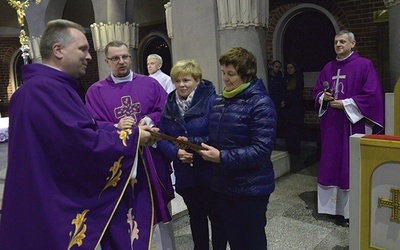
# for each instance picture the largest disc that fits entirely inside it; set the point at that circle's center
(375, 185)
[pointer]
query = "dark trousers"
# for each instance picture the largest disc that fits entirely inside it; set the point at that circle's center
(244, 221)
(202, 206)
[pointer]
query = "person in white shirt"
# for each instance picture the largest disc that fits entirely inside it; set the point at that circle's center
(154, 64)
(162, 232)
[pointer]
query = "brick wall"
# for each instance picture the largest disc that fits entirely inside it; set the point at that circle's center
(8, 47)
(92, 71)
(310, 116)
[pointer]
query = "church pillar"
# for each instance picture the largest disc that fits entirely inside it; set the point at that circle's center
(194, 34)
(215, 27)
(34, 51)
(242, 24)
(394, 38)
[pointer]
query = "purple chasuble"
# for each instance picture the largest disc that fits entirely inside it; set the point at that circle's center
(356, 78)
(143, 96)
(68, 180)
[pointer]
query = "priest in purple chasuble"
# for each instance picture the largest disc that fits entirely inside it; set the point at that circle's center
(68, 181)
(125, 99)
(349, 100)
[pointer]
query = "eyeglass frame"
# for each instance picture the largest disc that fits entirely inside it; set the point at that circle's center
(115, 59)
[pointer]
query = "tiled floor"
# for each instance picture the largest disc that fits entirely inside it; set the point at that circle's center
(292, 219)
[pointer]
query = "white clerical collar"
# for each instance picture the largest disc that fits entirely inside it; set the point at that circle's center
(156, 73)
(127, 78)
(51, 66)
(342, 59)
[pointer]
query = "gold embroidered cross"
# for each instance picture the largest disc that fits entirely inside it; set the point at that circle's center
(394, 204)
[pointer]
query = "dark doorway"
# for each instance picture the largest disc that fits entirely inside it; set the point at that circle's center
(308, 41)
(157, 45)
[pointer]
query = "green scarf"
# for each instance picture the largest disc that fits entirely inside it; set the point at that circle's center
(234, 92)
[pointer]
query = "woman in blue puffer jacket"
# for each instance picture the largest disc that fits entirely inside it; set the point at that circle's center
(186, 113)
(241, 140)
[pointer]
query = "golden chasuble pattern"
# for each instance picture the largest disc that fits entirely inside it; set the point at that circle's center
(116, 173)
(124, 135)
(80, 228)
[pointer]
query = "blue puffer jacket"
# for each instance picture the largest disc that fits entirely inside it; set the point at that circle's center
(243, 129)
(194, 126)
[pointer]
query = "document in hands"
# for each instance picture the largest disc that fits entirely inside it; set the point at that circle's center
(176, 141)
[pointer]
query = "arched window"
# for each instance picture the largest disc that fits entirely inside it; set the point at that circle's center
(17, 70)
(308, 40)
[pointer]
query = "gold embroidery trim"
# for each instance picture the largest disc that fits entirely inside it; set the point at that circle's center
(116, 173)
(124, 135)
(80, 229)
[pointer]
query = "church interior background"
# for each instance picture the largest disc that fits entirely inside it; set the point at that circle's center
(296, 30)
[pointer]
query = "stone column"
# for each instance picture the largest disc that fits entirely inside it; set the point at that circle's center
(34, 51)
(215, 27)
(112, 18)
(168, 19)
(394, 38)
(242, 24)
(194, 35)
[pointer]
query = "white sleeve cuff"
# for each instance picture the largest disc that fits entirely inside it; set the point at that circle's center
(149, 121)
(321, 111)
(351, 110)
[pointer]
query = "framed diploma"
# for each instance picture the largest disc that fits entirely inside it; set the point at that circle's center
(176, 141)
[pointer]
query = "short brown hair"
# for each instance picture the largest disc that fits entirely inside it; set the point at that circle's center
(114, 44)
(242, 60)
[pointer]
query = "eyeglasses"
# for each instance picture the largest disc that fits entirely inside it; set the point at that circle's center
(117, 58)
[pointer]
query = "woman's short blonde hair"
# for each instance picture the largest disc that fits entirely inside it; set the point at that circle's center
(186, 67)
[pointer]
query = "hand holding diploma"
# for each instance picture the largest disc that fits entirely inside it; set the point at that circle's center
(210, 153)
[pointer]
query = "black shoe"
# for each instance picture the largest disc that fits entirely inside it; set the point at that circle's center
(345, 223)
(341, 221)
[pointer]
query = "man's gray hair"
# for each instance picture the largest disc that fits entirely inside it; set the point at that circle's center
(155, 56)
(349, 34)
(57, 31)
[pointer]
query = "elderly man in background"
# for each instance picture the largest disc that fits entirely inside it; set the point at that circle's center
(154, 64)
